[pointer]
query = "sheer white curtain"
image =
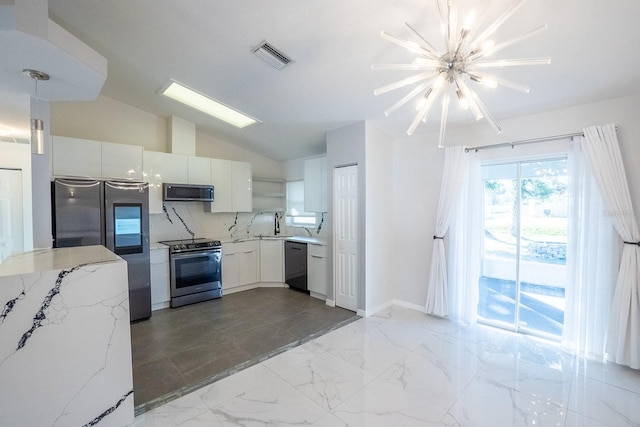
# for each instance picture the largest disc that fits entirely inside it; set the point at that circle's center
(456, 166)
(592, 261)
(464, 254)
(602, 152)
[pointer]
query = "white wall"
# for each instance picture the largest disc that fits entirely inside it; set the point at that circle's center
(18, 156)
(380, 281)
(207, 146)
(293, 170)
(417, 167)
(41, 189)
(106, 119)
(346, 146)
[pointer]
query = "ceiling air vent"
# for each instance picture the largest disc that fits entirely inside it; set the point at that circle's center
(271, 55)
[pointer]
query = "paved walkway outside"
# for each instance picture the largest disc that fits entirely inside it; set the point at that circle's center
(542, 307)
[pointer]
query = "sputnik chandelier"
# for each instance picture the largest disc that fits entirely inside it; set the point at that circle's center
(463, 61)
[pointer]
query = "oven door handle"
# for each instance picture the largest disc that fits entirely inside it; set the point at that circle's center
(191, 254)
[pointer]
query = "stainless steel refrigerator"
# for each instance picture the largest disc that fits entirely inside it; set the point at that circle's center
(112, 214)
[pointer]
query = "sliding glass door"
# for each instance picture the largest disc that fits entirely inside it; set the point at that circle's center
(523, 274)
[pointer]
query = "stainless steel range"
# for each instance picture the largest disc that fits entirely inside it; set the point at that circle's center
(196, 270)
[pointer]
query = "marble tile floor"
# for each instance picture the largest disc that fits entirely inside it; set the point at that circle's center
(178, 350)
(403, 368)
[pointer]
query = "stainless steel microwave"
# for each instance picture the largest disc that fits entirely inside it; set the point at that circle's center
(187, 193)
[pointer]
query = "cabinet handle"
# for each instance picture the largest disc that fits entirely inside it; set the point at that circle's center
(316, 256)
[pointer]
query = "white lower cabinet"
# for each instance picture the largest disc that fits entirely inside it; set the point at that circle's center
(317, 270)
(160, 292)
(239, 264)
(272, 261)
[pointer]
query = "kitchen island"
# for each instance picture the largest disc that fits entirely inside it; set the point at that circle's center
(65, 347)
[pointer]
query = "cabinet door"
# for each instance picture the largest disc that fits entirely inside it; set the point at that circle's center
(222, 189)
(239, 264)
(199, 170)
(160, 292)
(317, 273)
(272, 261)
(76, 157)
(230, 267)
(248, 266)
(152, 173)
(121, 161)
(242, 187)
(174, 168)
(162, 167)
(315, 185)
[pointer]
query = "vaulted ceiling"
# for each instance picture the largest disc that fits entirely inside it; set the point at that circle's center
(206, 44)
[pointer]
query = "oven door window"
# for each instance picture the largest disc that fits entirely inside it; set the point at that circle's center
(196, 270)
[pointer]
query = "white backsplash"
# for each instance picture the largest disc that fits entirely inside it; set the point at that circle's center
(181, 218)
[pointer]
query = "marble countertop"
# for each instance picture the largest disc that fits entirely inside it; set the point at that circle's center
(55, 259)
(302, 239)
(305, 239)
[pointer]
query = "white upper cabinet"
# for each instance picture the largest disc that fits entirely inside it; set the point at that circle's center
(315, 185)
(162, 167)
(242, 186)
(231, 186)
(199, 170)
(121, 161)
(95, 159)
(222, 188)
(76, 157)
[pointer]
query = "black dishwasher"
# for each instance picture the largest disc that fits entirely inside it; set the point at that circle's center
(295, 265)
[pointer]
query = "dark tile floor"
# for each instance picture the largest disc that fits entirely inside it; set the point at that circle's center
(182, 348)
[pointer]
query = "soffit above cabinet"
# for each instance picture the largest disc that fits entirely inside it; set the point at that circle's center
(29, 39)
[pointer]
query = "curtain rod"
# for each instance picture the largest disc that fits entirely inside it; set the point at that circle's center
(524, 141)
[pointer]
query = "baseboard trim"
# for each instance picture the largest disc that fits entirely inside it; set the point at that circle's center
(331, 303)
(271, 285)
(408, 305)
(160, 305)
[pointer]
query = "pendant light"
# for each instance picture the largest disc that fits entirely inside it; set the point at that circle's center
(37, 125)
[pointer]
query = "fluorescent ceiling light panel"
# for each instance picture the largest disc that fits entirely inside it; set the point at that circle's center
(207, 105)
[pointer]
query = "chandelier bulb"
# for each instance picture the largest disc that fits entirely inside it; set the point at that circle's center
(462, 57)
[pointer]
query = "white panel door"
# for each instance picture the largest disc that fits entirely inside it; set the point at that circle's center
(11, 222)
(345, 194)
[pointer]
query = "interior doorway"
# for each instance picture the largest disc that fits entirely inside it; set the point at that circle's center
(11, 220)
(345, 236)
(523, 277)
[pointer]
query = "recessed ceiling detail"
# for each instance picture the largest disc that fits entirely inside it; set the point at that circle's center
(271, 55)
